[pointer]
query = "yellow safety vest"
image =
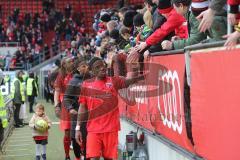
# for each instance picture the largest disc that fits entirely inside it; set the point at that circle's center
(7, 78)
(30, 86)
(21, 89)
(3, 112)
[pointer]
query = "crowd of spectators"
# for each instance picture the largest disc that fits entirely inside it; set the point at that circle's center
(161, 25)
(154, 26)
(28, 29)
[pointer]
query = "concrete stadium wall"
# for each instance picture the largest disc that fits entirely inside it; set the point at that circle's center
(157, 150)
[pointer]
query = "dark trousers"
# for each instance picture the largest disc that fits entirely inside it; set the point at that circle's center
(1, 132)
(76, 148)
(31, 102)
(16, 114)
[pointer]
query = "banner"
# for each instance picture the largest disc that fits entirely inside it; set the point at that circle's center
(167, 108)
(158, 103)
(136, 104)
(215, 103)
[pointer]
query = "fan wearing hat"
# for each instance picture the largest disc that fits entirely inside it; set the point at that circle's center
(175, 22)
(102, 27)
(104, 19)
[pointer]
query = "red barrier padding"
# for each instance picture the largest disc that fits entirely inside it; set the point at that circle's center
(159, 101)
(215, 103)
(167, 107)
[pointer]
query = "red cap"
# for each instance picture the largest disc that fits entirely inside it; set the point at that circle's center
(165, 10)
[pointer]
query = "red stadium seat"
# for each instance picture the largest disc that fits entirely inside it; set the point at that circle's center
(34, 6)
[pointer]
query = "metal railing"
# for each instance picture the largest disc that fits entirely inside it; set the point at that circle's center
(9, 44)
(200, 46)
(37, 58)
(5, 132)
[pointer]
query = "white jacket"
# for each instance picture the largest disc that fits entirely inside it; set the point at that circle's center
(32, 122)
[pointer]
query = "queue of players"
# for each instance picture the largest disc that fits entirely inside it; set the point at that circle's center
(90, 124)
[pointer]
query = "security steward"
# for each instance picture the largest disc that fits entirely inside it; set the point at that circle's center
(32, 91)
(18, 96)
(3, 110)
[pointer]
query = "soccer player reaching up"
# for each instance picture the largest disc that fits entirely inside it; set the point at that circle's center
(99, 107)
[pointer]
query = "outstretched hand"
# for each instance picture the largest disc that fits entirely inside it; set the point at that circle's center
(232, 19)
(167, 45)
(133, 56)
(206, 18)
(141, 46)
(232, 39)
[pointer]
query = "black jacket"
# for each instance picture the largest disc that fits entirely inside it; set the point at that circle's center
(70, 101)
(71, 95)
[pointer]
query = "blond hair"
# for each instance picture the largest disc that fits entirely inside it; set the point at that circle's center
(40, 106)
(147, 18)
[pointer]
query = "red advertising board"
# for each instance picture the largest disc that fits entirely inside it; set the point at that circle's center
(215, 103)
(159, 100)
(167, 108)
(136, 104)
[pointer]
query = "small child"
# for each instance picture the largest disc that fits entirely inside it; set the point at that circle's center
(41, 138)
(143, 30)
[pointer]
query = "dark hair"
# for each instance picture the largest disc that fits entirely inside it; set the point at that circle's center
(163, 4)
(128, 18)
(184, 2)
(105, 17)
(138, 20)
(114, 34)
(93, 60)
(58, 63)
(78, 62)
(31, 75)
(149, 2)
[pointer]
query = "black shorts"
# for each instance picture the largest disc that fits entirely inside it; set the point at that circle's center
(42, 142)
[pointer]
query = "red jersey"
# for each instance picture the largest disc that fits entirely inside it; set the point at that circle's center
(61, 83)
(101, 100)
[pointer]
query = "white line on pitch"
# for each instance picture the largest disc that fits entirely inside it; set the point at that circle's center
(21, 155)
(55, 123)
(14, 142)
(19, 145)
(14, 138)
(17, 149)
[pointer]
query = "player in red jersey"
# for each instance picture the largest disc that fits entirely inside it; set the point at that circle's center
(64, 76)
(99, 107)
